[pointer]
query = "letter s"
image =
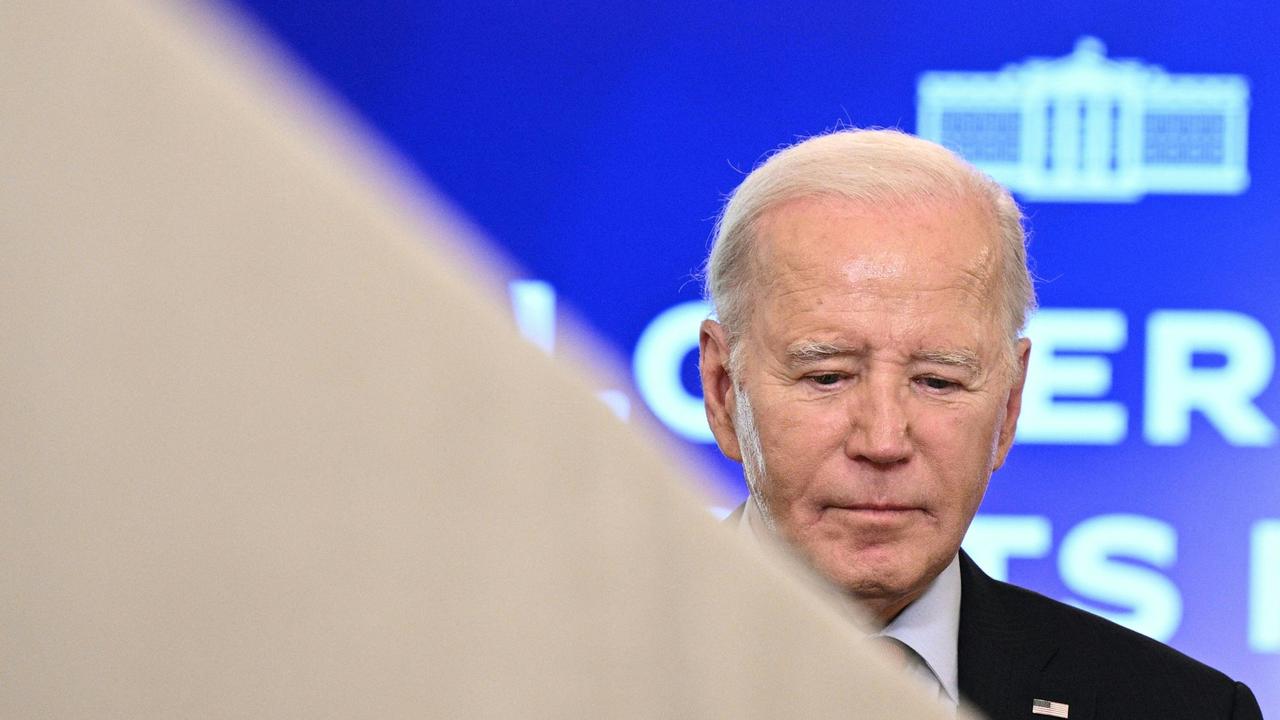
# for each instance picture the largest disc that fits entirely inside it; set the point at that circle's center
(1085, 562)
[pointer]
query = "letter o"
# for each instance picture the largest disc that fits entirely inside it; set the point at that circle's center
(657, 362)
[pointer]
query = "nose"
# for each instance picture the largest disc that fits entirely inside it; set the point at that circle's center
(879, 431)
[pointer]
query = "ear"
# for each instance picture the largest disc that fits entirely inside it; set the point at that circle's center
(1013, 406)
(717, 387)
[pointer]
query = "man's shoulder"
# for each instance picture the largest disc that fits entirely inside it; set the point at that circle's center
(1070, 646)
(1065, 624)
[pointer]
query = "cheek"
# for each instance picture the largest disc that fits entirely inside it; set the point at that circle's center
(960, 446)
(797, 442)
(967, 432)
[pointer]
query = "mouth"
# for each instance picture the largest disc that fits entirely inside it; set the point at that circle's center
(877, 512)
(877, 506)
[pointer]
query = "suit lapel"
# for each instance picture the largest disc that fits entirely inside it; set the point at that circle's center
(994, 671)
(1001, 653)
(1007, 657)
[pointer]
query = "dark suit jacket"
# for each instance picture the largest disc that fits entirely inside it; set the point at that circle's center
(1016, 646)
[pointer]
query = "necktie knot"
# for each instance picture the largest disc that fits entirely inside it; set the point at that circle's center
(902, 655)
(898, 652)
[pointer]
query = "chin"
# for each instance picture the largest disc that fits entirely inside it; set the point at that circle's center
(872, 573)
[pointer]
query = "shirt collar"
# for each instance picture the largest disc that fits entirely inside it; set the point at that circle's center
(930, 626)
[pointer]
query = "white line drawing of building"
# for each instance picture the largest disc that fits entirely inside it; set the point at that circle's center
(1087, 128)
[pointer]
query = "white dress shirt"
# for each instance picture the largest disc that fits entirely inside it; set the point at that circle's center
(930, 626)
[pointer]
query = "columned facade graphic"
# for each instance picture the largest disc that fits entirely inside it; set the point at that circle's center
(1088, 128)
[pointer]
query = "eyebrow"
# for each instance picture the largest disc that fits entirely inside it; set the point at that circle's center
(966, 359)
(808, 352)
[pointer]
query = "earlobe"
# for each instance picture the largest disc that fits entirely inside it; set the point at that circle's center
(717, 387)
(1013, 405)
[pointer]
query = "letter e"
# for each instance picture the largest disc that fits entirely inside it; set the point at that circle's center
(1050, 376)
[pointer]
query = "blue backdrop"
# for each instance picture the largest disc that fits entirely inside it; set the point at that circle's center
(595, 142)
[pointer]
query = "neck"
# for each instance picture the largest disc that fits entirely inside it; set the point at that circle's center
(883, 610)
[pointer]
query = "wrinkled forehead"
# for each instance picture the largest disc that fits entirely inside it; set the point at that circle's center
(897, 246)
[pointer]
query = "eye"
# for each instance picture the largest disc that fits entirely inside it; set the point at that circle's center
(825, 378)
(937, 383)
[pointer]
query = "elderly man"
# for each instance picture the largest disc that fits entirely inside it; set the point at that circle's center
(867, 370)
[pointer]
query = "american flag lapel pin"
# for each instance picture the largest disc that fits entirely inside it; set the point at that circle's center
(1049, 707)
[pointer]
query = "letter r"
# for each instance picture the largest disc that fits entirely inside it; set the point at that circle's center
(1224, 394)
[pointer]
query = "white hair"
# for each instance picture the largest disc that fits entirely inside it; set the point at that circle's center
(868, 166)
(744, 426)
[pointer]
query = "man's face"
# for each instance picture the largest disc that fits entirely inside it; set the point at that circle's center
(878, 370)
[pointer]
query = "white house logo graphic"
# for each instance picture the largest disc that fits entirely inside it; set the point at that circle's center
(1088, 128)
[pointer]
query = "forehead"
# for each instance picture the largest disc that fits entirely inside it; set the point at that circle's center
(899, 246)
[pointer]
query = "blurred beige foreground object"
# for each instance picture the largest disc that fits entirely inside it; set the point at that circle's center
(267, 450)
